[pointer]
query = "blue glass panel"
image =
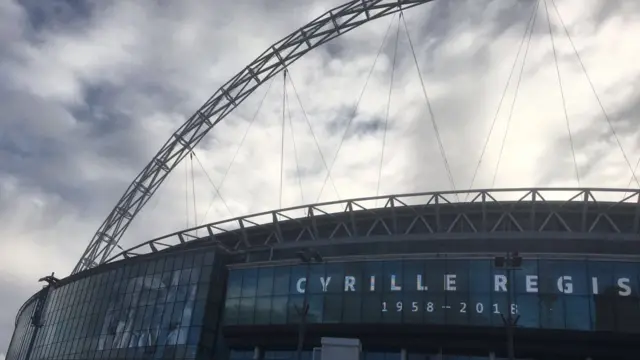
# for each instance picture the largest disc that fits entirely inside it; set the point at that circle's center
(265, 281)
(577, 314)
(281, 280)
(234, 283)
(335, 278)
(480, 276)
(249, 282)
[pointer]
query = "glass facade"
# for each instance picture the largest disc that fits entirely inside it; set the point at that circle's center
(548, 294)
(145, 309)
(169, 306)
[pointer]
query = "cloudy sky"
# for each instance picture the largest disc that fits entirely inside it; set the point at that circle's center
(89, 91)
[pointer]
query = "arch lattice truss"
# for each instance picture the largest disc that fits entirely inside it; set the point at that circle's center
(328, 26)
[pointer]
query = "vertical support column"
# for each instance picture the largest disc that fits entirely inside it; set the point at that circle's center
(492, 356)
(403, 354)
(257, 353)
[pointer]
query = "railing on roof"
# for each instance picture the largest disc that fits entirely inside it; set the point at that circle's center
(214, 233)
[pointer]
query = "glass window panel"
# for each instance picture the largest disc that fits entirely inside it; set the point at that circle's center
(392, 279)
(184, 276)
(281, 280)
(392, 307)
(412, 270)
(194, 335)
(168, 265)
(198, 259)
(372, 308)
(526, 279)
(529, 310)
(293, 308)
(498, 308)
(265, 281)
(316, 277)
(195, 276)
(603, 272)
(205, 274)
(352, 306)
(625, 279)
(479, 308)
(316, 306)
(246, 311)
(188, 260)
(159, 267)
(457, 309)
(550, 271)
(457, 276)
(434, 275)
(577, 312)
(263, 310)
(249, 282)
(552, 311)
(234, 283)
(183, 336)
(353, 270)
(231, 308)
(575, 281)
(335, 278)
(178, 261)
(298, 273)
(279, 310)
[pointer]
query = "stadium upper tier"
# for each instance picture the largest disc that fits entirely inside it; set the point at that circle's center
(448, 221)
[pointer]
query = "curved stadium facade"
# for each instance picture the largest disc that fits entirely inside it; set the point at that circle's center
(417, 278)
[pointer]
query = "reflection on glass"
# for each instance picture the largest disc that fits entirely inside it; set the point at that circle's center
(551, 294)
(151, 310)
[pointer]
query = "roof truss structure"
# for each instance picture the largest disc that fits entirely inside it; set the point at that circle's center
(580, 212)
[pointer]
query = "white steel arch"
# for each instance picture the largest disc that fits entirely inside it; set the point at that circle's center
(276, 58)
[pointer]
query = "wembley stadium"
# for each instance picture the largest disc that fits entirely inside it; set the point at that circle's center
(525, 273)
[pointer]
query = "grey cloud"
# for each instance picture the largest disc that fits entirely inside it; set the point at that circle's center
(149, 65)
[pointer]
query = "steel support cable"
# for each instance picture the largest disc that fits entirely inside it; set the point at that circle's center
(595, 93)
(235, 155)
(386, 119)
(295, 147)
(284, 91)
(355, 110)
(313, 134)
(431, 114)
(193, 191)
(217, 189)
(635, 169)
(504, 94)
(515, 98)
(564, 102)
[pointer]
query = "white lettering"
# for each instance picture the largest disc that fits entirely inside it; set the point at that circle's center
(565, 285)
(349, 283)
(394, 287)
(372, 283)
(594, 285)
(450, 282)
(625, 289)
(299, 286)
(532, 283)
(500, 283)
(419, 283)
(325, 283)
